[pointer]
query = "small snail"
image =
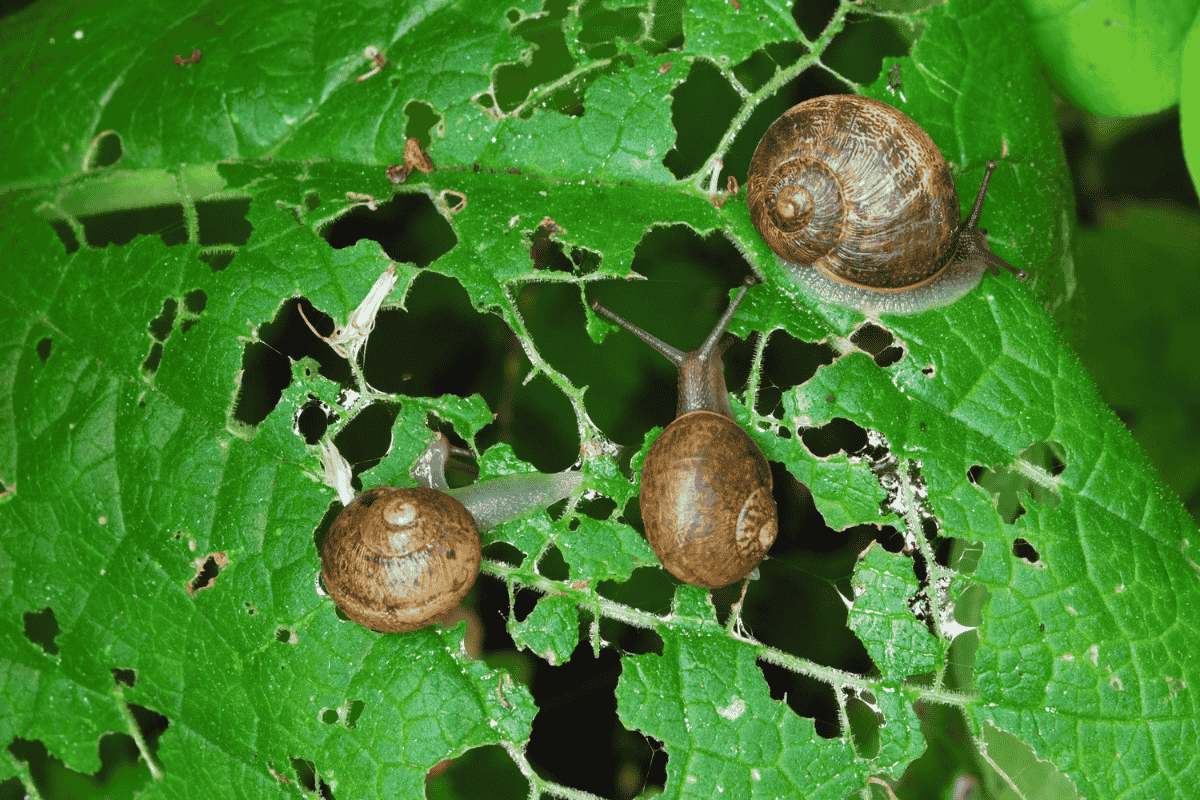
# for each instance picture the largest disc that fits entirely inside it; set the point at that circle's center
(399, 559)
(859, 206)
(706, 486)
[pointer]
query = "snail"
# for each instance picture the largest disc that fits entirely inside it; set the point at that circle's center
(398, 559)
(858, 205)
(706, 486)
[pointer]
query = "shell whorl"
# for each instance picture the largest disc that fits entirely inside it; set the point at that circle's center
(854, 188)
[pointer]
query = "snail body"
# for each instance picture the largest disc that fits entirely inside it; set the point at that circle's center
(706, 486)
(858, 204)
(398, 559)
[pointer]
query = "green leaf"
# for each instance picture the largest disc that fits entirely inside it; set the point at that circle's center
(1116, 58)
(168, 417)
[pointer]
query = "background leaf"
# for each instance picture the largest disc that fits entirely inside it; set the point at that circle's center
(166, 226)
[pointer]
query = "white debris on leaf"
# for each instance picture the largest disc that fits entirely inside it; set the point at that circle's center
(337, 471)
(350, 338)
(733, 710)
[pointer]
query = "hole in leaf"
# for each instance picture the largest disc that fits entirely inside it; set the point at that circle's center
(207, 572)
(354, 711)
(504, 553)
(266, 369)
(549, 253)
(195, 301)
(629, 639)
(121, 772)
(408, 228)
(217, 260)
(481, 773)
(41, 628)
(367, 438)
(858, 51)
(160, 326)
(440, 344)
(577, 714)
(666, 27)
(309, 779)
(66, 235)
(312, 422)
(1025, 551)
(104, 151)
(807, 697)
(837, 435)
(285, 635)
(328, 716)
(43, 349)
(648, 589)
(642, 764)
(762, 65)
(548, 59)
(153, 359)
(701, 109)
(251, 609)
(601, 508)
(864, 724)
(524, 602)
(603, 26)
(813, 16)
(120, 227)
(224, 222)
(1033, 473)
(552, 565)
(124, 677)
(421, 120)
(871, 338)
(787, 363)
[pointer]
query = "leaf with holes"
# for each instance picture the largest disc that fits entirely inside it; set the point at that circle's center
(203, 217)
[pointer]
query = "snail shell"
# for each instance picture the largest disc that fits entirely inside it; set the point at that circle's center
(397, 559)
(850, 191)
(706, 500)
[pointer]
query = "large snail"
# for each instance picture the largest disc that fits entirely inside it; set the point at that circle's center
(858, 204)
(399, 559)
(706, 486)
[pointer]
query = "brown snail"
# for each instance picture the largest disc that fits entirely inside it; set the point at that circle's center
(859, 206)
(399, 559)
(706, 486)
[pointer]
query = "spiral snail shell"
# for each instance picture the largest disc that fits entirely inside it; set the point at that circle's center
(859, 205)
(398, 559)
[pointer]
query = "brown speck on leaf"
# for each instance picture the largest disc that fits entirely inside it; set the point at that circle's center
(580, 584)
(500, 693)
(513, 171)
(551, 227)
(377, 60)
(736, 5)
(365, 198)
(397, 173)
(665, 68)
(415, 157)
(194, 58)
(1003, 147)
